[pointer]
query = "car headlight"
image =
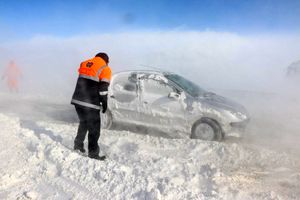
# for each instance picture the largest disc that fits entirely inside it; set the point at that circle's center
(240, 124)
(235, 116)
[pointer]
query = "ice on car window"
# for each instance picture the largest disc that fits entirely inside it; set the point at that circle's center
(157, 77)
(124, 88)
(156, 87)
(132, 77)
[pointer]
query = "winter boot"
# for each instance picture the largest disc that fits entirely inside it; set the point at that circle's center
(79, 147)
(97, 157)
(95, 154)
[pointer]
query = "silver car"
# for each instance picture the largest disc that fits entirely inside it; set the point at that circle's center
(172, 104)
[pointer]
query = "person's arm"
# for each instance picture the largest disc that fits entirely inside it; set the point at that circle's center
(105, 77)
(103, 92)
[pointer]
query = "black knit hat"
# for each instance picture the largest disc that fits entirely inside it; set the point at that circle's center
(104, 56)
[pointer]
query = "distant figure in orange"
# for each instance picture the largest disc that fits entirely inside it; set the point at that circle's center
(12, 74)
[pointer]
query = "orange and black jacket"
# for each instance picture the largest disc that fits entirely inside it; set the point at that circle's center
(92, 84)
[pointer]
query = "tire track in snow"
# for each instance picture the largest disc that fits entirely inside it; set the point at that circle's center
(38, 130)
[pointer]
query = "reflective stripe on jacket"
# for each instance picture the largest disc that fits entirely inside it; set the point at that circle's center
(92, 74)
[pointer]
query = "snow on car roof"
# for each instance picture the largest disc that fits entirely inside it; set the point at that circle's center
(141, 71)
(157, 72)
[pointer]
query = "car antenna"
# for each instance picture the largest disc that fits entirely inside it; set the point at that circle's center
(151, 67)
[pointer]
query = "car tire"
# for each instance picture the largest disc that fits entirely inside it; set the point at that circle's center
(106, 120)
(207, 129)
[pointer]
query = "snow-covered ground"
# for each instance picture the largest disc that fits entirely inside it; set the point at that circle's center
(37, 160)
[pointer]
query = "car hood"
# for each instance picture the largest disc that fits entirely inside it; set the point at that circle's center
(222, 103)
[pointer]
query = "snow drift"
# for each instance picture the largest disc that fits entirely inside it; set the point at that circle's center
(40, 163)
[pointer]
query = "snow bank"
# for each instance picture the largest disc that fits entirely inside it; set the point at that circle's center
(38, 163)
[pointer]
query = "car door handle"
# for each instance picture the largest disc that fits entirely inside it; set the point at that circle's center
(112, 96)
(145, 102)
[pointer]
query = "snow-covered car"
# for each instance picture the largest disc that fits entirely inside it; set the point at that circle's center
(170, 103)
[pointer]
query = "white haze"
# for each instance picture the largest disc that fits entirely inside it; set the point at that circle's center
(212, 59)
(251, 69)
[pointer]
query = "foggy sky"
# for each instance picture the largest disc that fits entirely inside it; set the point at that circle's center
(219, 60)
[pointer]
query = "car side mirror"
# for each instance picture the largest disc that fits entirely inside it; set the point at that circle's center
(174, 95)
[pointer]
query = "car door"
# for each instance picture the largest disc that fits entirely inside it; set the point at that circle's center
(124, 98)
(162, 104)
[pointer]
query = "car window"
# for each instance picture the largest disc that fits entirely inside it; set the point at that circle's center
(187, 85)
(124, 88)
(156, 87)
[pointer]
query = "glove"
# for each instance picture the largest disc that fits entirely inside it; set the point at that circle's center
(104, 106)
(103, 100)
(103, 91)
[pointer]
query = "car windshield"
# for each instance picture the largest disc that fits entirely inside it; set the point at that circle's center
(188, 86)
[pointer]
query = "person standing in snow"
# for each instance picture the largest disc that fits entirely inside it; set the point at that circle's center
(89, 97)
(12, 75)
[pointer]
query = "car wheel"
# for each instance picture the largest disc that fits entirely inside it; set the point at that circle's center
(106, 119)
(207, 129)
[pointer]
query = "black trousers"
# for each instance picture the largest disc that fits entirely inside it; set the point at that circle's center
(89, 122)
